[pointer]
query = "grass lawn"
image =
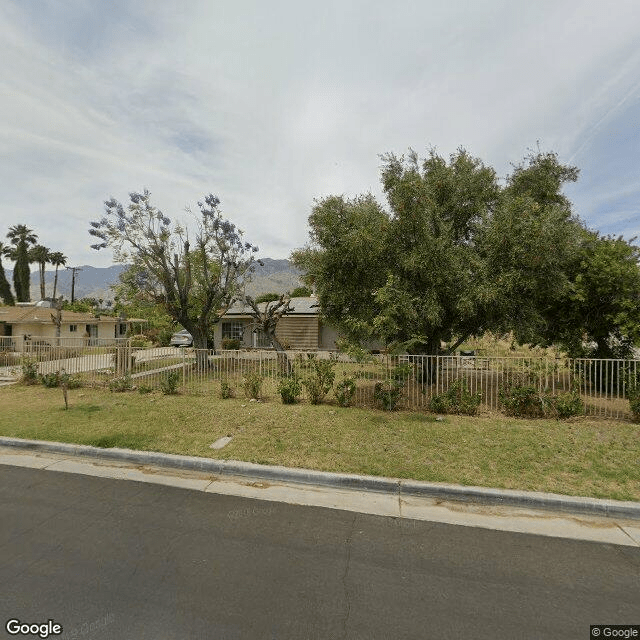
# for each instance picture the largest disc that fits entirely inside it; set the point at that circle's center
(581, 456)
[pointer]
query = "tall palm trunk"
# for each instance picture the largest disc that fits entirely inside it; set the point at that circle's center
(55, 283)
(42, 266)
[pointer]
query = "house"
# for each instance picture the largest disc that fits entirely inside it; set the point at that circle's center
(301, 328)
(27, 324)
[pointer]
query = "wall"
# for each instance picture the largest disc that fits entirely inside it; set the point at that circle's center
(300, 332)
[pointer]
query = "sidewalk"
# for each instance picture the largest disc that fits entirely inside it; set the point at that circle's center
(605, 521)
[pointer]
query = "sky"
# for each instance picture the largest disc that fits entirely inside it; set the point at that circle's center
(270, 105)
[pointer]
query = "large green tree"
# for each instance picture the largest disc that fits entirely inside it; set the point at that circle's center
(600, 315)
(455, 254)
(346, 261)
(197, 280)
(5, 289)
(21, 237)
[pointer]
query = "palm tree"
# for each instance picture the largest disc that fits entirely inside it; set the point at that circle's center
(5, 288)
(21, 237)
(41, 255)
(57, 259)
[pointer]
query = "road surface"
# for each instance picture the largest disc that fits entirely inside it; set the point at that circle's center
(127, 560)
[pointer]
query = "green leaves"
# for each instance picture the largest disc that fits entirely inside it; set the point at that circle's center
(456, 254)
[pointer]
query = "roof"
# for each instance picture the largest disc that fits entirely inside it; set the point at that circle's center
(300, 307)
(18, 315)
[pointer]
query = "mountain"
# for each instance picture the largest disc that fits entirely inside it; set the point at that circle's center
(277, 276)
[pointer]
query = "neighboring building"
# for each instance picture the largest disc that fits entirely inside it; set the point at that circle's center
(300, 328)
(23, 325)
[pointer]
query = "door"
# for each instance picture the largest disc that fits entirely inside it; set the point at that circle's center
(92, 334)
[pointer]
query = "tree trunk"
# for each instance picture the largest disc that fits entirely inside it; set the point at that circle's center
(200, 344)
(429, 368)
(22, 278)
(42, 291)
(55, 283)
(284, 365)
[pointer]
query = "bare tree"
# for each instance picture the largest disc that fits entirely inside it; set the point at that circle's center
(266, 320)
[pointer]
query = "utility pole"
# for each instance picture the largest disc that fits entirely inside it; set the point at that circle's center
(73, 270)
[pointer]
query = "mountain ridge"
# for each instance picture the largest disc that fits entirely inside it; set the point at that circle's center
(276, 275)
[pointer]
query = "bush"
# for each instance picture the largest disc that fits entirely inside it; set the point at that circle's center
(142, 389)
(319, 383)
(252, 384)
(231, 344)
(388, 394)
(634, 405)
(402, 372)
(525, 401)
(345, 391)
(567, 405)
(119, 385)
(633, 395)
(521, 401)
(289, 390)
(50, 380)
(61, 379)
(226, 390)
(457, 399)
(29, 371)
(169, 383)
(139, 340)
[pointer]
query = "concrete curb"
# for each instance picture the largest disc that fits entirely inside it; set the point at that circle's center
(401, 488)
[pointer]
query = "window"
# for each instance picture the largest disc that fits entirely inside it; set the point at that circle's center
(73, 328)
(232, 330)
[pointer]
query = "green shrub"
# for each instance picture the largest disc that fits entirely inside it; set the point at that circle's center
(139, 340)
(50, 380)
(567, 405)
(72, 382)
(119, 385)
(252, 384)
(457, 399)
(29, 368)
(289, 390)
(142, 389)
(169, 383)
(525, 401)
(521, 401)
(388, 394)
(345, 391)
(319, 383)
(402, 372)
(226, 390)
(633, 395)
(231, 344)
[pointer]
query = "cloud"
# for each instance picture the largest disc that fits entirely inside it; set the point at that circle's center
(272, 105)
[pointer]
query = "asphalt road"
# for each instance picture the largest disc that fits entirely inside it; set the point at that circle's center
(132, 561)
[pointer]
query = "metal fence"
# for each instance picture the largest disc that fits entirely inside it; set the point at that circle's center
(601, 384)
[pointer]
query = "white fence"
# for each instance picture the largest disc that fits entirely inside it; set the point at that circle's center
(601, 384)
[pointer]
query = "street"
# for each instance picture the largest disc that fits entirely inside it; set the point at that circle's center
(126, 560)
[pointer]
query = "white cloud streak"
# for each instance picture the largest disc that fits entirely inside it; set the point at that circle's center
(270, 105)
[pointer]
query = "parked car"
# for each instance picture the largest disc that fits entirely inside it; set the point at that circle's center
(181, 339)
